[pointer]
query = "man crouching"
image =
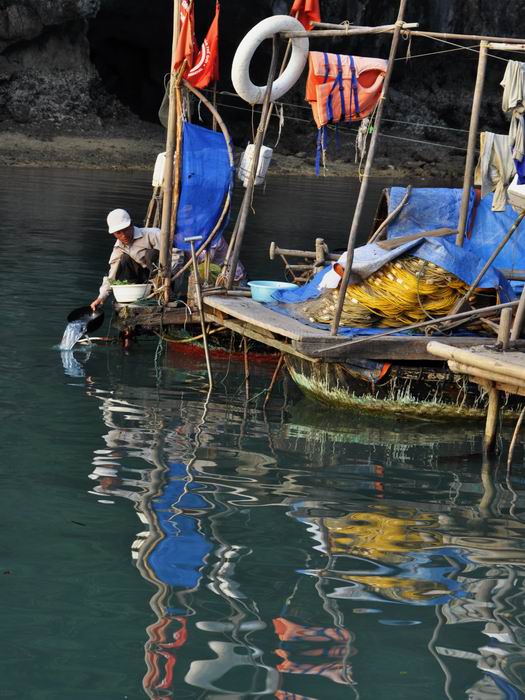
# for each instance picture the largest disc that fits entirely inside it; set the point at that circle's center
(134, 256)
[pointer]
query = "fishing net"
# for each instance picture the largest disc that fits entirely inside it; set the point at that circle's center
(404, 291)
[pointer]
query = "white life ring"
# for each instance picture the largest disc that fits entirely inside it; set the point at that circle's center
(266, 29)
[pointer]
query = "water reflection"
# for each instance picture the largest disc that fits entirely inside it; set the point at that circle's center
(295, 557)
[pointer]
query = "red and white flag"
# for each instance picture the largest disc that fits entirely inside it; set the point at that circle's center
(306, 11)
(205, 69)
(185, 50)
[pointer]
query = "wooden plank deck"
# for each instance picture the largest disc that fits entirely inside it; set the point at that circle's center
(256, 320)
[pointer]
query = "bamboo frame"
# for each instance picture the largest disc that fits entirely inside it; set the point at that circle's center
(368, 167)
(408, 28)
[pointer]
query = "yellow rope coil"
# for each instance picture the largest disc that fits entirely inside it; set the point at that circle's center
(405, 291)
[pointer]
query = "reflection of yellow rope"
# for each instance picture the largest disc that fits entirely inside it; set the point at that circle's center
(405, 291)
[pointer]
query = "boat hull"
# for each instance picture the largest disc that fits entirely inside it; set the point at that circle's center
(405, 390)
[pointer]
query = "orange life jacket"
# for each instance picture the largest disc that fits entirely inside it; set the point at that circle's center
(343, 88)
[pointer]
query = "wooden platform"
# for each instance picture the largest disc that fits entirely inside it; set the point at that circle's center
(485, 365)
(257, 321)
(154, 317)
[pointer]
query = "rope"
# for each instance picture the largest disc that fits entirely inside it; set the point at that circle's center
(402, 292)
(354, 131)
(308, 121)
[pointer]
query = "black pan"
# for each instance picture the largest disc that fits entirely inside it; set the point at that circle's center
(93, 319)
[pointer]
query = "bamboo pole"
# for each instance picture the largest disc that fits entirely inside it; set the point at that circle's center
(274, 379)
(514, 438)
(504, 328)
(475, 359)
(465, 315)
(472, 140)
(351, 31)
(487, 375)
(248, 194)
(167, 185)
(491, 425)
(198, 293)
(382, 228)
(368, 167)
(176, 189)
(340, 30)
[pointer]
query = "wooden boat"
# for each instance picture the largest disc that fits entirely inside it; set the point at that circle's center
(382, 373)
(385, 373)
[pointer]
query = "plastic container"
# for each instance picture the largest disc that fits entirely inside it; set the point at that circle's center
(245, 167)
(262, 290)
(516, 194)
(128, 293)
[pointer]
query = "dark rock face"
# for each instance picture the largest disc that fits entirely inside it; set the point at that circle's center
(78, 61)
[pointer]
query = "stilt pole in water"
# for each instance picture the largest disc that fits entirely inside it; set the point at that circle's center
(491, 425)
(274, 379)
(248, 193)
(472, 140)
(368, 167)
(198, 293)
(167, 185)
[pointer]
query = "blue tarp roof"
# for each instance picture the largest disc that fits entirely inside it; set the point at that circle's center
(431, 208)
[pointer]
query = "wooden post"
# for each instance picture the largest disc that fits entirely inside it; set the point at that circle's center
(368, 167)
(491, 426)
(167, 184)
(248, 194)
(472, 140)
(504, 328)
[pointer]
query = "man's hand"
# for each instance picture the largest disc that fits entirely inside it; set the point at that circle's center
(96, 303)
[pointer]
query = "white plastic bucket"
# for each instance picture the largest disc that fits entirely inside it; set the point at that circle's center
(245, 167)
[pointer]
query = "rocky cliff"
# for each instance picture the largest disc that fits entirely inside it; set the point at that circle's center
(89, 63)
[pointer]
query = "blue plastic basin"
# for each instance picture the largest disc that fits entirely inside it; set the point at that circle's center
(262, 290)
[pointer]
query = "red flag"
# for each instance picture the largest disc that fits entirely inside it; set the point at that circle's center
(186, 42)
(306, 11)
(206, 67)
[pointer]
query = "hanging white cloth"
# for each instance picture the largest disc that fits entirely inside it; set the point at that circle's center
(513, 101)
(495, 168)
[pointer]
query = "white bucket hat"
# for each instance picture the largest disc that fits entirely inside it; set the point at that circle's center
(118, 219)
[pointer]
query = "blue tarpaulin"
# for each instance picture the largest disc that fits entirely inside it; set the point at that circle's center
(207, 177)
(428, 209)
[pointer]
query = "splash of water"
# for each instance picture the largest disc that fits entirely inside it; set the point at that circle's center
(74, 331)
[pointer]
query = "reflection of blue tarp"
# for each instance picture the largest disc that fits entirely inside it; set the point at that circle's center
(207, 177)
(178, 558)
